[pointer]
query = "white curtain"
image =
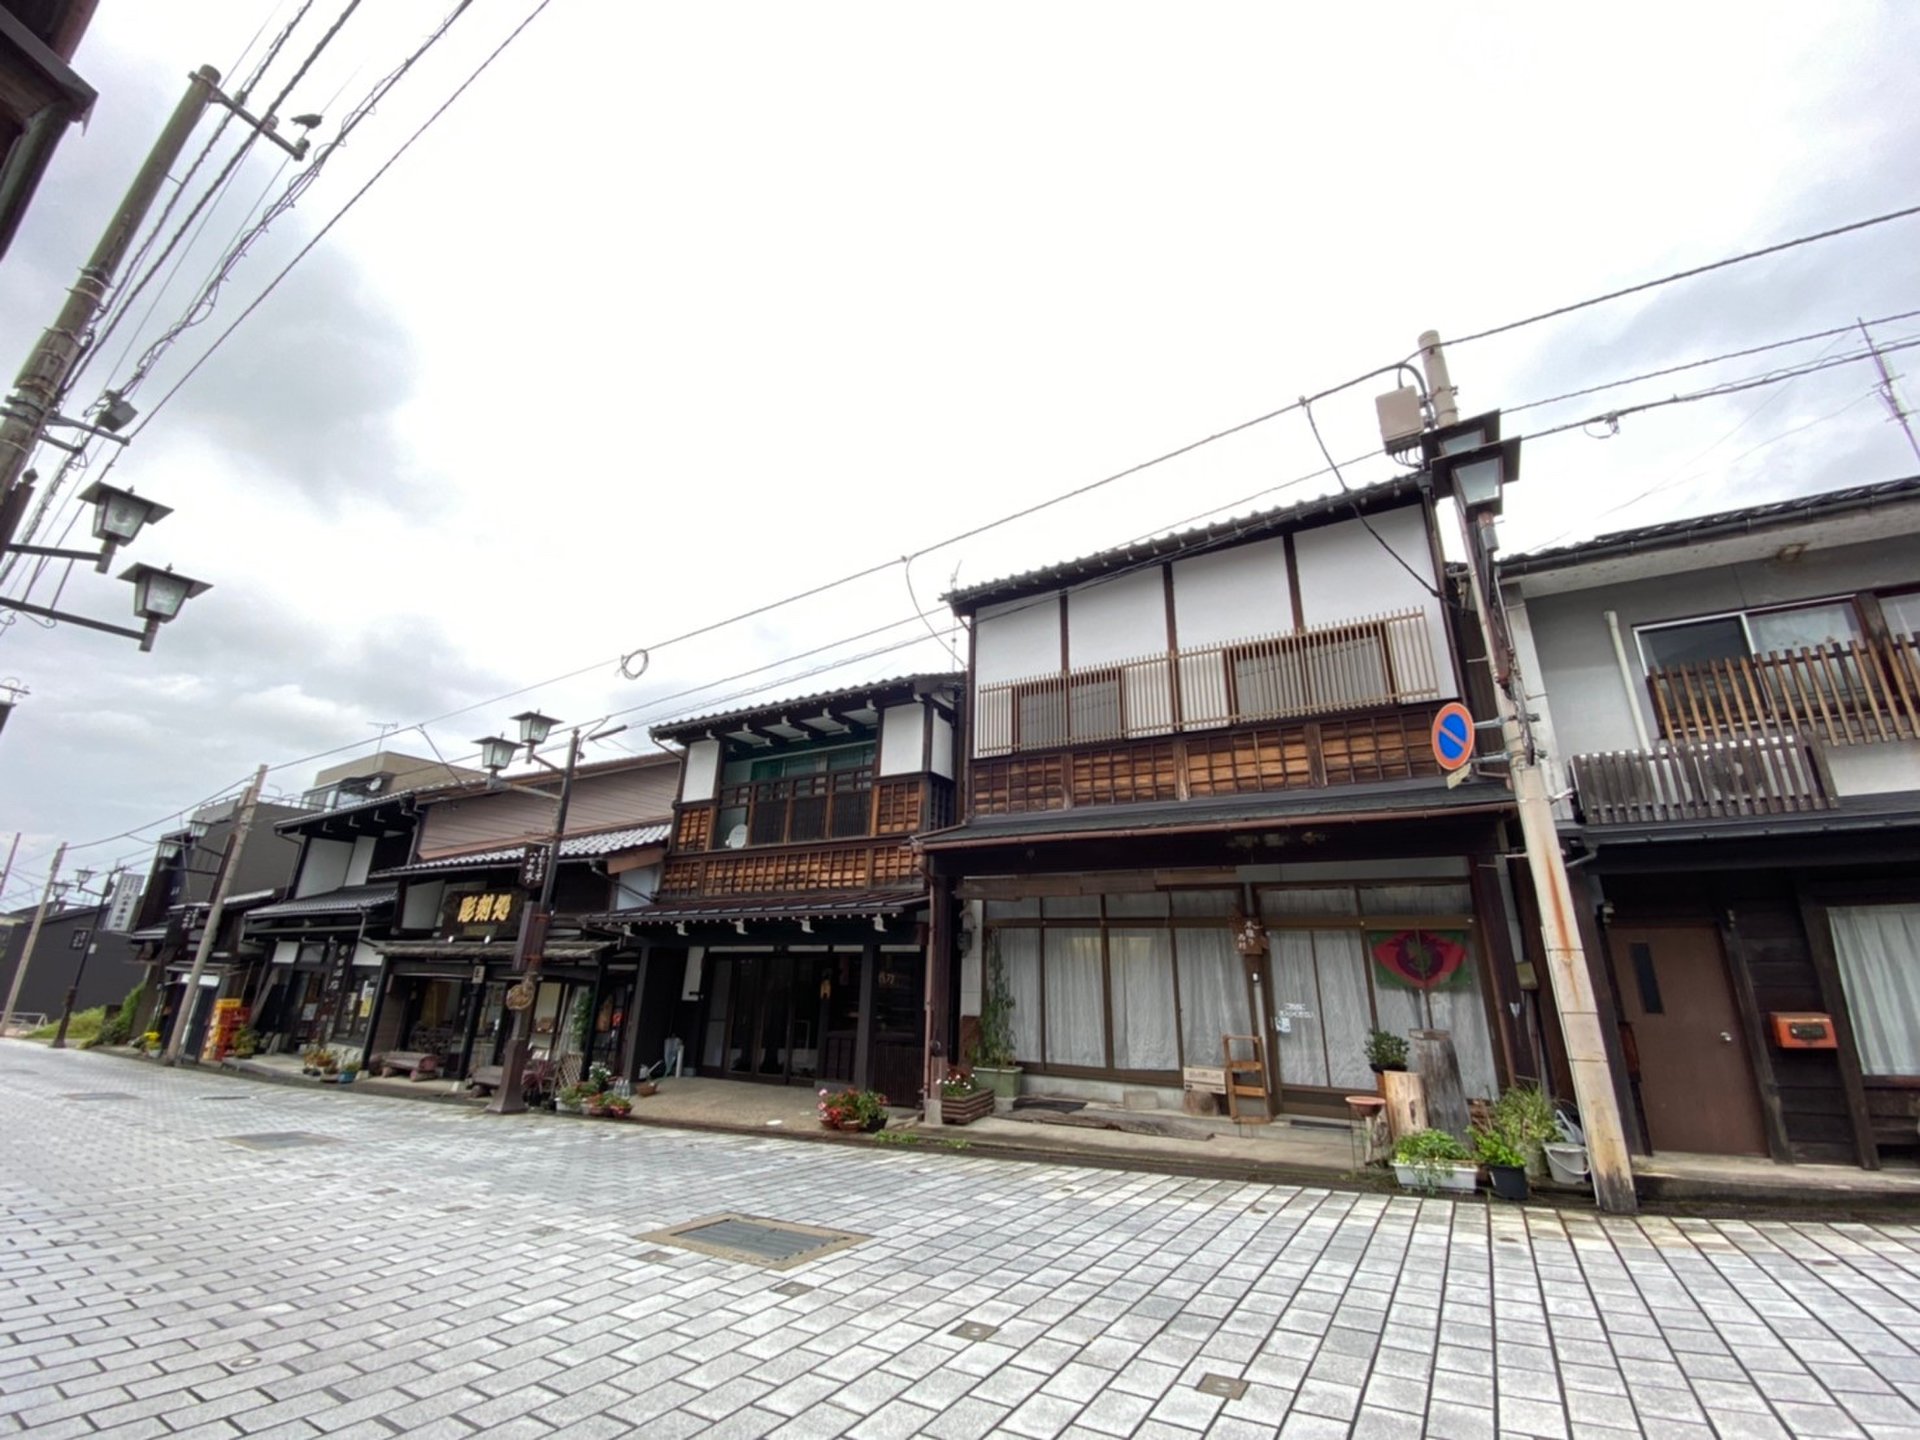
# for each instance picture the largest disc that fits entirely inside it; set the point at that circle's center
(1020, 954)
(1878, 947)
(1144, 1035)
(1301, 1045)
(1346, 1012)
(1213, 992)
(1076, 1014)
(1461, 1010)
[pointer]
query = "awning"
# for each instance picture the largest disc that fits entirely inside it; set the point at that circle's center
(474, 953)
(574, 847)
(349, 899)
(819, 907)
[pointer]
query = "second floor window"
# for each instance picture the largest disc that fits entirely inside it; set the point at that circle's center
(784, 799)
(1757, 632)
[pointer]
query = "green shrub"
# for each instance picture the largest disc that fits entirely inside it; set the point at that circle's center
(1435, 1148)
(1386, 1051)
(84, 1026)
(1493, 1148)
(1524, 1118)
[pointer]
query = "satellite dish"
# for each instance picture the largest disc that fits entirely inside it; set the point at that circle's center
(737, 838)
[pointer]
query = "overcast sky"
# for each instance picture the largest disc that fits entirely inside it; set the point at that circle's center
(683, 309)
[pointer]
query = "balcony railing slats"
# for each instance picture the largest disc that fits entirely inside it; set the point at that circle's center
(1850, 692)
(1702, 780)
(1360, 664)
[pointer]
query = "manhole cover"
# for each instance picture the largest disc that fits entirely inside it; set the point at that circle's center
(1222, 1385)
(974, 1330)
(97, 1095)
(776, 1244)
(793, 1288)
(280, 1140)
(223, 1097)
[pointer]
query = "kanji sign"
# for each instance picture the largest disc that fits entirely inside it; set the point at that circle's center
(1453, 736)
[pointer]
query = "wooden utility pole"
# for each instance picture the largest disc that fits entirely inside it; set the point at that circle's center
(183, 1020)
(33, 933)
(43, 379)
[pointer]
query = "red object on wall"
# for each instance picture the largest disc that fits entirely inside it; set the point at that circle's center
(1803, 1031)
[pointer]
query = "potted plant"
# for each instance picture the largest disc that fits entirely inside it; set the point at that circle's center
(1524, 1117)
(1431, 1160)
(853, 1110)
(245, 1043)
(1506, 1162)
(567, 1101)
(993, 1059)
(964, 1099)
(619, 1106)
(1386, 1051)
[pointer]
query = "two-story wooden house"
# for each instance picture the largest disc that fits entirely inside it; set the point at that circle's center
(789, 940)
(1200, 801)
(1734, 702)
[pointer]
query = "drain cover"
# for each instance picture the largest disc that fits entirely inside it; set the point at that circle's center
(1223, 1385)
(974, 1330)
(97, 1095)
(776, 1244)
(223, 1097)
(280, 1140)
(793, 1289)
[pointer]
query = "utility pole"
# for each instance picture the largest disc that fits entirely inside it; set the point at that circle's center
(183, 1022)
(33, 933)
(43, 379)
(1567, 969)
(1889, 394)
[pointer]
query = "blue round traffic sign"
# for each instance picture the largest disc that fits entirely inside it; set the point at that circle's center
(1453, 736)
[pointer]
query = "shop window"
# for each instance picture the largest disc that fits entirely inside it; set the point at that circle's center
(1140, 965)
(1878, 949)
(1213, 991)
(1076, 1012)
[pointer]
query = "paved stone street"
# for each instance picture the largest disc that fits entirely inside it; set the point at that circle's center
(430, 1272)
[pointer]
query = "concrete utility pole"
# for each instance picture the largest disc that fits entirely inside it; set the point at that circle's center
(43, 379)
(1567, 969)
(183, 1022)
(33, 934)
(1888, 395)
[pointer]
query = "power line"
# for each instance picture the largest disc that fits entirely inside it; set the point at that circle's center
(1687, 274)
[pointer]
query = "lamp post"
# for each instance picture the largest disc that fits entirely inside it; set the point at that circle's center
(83, 884)
(496, 753)
(1468, 459)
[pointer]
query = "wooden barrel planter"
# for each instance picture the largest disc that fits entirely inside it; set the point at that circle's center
(965, 1111)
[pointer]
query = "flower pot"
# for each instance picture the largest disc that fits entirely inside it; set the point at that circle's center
(1003, 1080)
(1509, 1181)
(966, 1109)
(646, 1087)
(1455, 1176)
(1568, 1163)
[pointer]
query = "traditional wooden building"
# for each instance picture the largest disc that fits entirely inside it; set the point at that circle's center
(788, 943)
(1734, 703)
(1200, 801)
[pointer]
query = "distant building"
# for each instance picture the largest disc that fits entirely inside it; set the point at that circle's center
(40, 96)
(67, 934)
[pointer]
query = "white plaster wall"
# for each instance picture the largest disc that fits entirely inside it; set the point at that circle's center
(1016, 640)
(942, 746)
(285, 952)
(325, 867)
(361, 861)
(702, 770)
(690, 976)
(1880, 769)
(634, 889)
(1232, 594)
(365, 954)
(901, 734)
(1345, 574)
(422, 910)
(1120, 619)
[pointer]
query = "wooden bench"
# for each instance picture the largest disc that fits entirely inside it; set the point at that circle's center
(485, 1079)
(417, 1064)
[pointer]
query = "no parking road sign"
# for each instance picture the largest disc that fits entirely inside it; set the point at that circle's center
(1453, 736)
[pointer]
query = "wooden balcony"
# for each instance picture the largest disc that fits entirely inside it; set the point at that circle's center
(1356, 665)
(1702, 780)
(791, 870)
(806, 809)
(1856, 692)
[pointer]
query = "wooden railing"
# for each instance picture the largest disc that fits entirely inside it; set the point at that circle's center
(1701, 780)
(1361, 664)
(1852, 692)
(829, 805)
(867, 866)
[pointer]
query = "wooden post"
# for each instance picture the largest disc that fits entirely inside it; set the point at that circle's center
(1406, 1097)
(1433, 1059)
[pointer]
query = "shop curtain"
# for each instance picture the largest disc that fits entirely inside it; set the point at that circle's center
(1144, 1032)
(1340, 956)
(1020, 954)
(1878, 947)
(1301, 1044)
(1213, 993)
(1076, 1008)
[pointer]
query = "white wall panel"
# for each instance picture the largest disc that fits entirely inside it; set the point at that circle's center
(422, 910)
(702, 770)
(1017, 639)
(325, 867)
(1232, 594)
(1119, 619)
(362, 860)
(1345, 574)
(901, 738)
(942, 745)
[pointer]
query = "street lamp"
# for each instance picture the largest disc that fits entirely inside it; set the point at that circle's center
(119, 515)
(534, 728)
(496, 753)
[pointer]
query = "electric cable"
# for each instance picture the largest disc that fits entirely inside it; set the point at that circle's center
(1360, 515)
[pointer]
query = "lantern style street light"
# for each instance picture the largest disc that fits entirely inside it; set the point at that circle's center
(496, 752)
(534, 728)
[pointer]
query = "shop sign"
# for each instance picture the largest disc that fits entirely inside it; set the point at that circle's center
(533, 866)
(1421, 959)
(478, 914)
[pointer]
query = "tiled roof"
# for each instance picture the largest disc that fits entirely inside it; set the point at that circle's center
(574, 847)
(348, 898)
(1670, 534)
(475, 951)
(1183, 542)
(802, 702)
(818, 907)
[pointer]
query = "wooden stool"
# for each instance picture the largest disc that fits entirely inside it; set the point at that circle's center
(1368, 1114)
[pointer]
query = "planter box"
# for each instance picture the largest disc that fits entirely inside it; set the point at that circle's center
(966, 1110)
(1005, 1083)
(1457, 1177)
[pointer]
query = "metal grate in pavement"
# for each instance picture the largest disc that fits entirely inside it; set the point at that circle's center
(750, 1240)
(280, 1140)
(97, 1095)
(793, 1289)
(974, 1330)
(1225, 1386)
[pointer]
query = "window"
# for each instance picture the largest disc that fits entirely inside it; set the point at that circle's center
(822, 794)
(1755, 632)
(1694, 644)
(1878, 949)
(1902, 612)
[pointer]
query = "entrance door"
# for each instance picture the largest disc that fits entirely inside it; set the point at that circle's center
(1696, 1081)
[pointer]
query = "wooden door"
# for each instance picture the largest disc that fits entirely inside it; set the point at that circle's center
(1696, 1081)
